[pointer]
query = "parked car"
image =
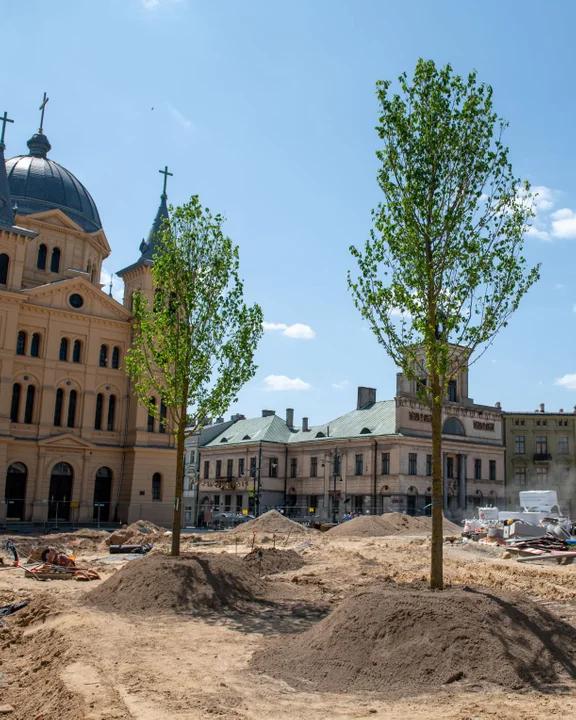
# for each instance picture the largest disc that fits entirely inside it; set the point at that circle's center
(227, 520)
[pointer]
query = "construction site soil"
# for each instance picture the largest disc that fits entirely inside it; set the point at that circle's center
(66, 658)
(269, 561)
(160, 584)
(272, 523)
(399, 640)
(390, 524)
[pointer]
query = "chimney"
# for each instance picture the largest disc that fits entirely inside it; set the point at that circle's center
(219, 420)
(290, 417)
(268, 413)
(366, 396)
(498, 406)
(305, 425)
(237, 417)
(541, 407)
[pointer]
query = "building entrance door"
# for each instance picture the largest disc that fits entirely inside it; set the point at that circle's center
(60, 495)
(102, 493)
(15, 494)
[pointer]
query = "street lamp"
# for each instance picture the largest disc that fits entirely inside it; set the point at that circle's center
(336, 468)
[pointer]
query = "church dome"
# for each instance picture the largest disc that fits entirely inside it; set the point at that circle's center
(38, 184)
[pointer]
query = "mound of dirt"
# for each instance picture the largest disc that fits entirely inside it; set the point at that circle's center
(141, 531)
(161, 584)
(402, 640)
(270, 561)
(389, 524)
(272, 523)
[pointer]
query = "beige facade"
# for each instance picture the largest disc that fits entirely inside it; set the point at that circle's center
(73, 440)
(541, 455)
(382, 452)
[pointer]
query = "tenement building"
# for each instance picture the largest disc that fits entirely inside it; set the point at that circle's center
(540, 454)
(74, 443)
(376, 458)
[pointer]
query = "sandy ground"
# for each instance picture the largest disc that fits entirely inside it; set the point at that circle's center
(61, 660)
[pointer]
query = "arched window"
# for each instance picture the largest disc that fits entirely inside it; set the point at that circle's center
(103, 355)
(156, 486)
(163, 412)
(55, 261)
(35, 345)
(453, 426)
(151, 415)
(21, 343)
(29, 408)
(116, 358)
(72, 408)
(42, 255)
(64, 349)
(15, 407)
(98, 416)
(58, 407)
(76, 351)
(4, 265)
(111, 412)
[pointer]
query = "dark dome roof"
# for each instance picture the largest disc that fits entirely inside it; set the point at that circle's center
(38, 184)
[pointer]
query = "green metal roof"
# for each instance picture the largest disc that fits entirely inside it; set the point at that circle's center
(374, 420)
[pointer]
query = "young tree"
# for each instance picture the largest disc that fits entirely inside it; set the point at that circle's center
(195, 346)
(443, 269)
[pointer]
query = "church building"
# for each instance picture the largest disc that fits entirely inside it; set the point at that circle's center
(74, 443)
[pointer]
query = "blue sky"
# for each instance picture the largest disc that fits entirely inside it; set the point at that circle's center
(267, 111)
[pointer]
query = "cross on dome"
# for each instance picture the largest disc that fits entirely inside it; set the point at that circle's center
(42, 107)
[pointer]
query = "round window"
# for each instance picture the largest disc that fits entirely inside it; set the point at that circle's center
(76, 300)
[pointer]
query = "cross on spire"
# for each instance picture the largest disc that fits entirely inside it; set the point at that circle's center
(4, 119)
(42, 107)
(166, 174)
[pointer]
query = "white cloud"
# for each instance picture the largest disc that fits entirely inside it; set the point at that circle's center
(568, 382)
(153, 4)
(302, 332)
(564, 223)
(397, 312)
(546, 197)
(538, 234)
(280, 383)
(341, 385)
(117, 284)
(180, 118)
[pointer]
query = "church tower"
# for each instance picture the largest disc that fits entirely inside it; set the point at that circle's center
(138, 276)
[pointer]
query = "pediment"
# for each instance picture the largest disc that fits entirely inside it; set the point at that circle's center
(67, 440)
(56, 219)
(97, 303)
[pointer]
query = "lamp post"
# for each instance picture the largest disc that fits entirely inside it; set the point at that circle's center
(336, 473)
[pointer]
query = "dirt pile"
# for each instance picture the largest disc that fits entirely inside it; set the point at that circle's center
(403, 640)
(161, 584)
(141, 531)
(272, 523)
(389, 524)
(270, 561)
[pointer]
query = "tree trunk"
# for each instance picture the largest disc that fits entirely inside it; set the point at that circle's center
(177, 519)
(436, 567)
